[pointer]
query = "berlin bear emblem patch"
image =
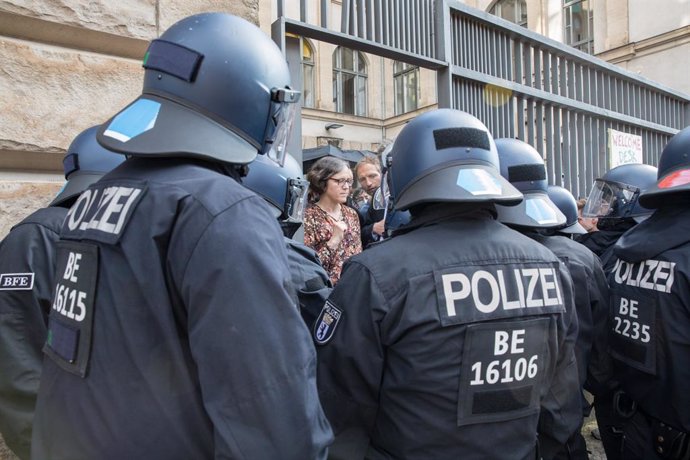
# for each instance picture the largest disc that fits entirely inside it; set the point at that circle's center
(326, 323)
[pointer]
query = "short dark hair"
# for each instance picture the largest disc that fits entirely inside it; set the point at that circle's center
(320, 172)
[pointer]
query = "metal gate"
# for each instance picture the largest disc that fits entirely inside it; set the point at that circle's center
(519, 83)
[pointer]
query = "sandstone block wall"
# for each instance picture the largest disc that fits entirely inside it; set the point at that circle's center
(66, 65)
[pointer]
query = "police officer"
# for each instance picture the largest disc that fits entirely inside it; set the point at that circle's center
(173, 333)
(448, 339)
(614, 201)
(284, 189)
(650, 315)
(539, 218)
(565, 202)
(27, 265)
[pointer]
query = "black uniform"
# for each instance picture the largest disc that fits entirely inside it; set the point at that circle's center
(447, 340)
(602, 241)
(592, 305)
(650, 332)
(310, 279)
(173, 334)
(27, 266)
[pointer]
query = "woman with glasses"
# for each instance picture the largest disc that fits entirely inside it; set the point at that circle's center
(331, 227)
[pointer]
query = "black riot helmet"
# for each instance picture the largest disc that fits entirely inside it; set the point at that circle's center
(673, 179)
(565, 201)
(615, 196)
(215, 87)
(524, 167)
(85, 162)
(282, 187)
(447, 156)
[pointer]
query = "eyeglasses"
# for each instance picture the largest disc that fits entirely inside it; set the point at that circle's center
(342, 182)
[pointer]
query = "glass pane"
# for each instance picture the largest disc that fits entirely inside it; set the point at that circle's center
(360, 64)
(306, 51)
(346, 62)
(508, 10)
(397, 67)
(308, 90)
(347, 94)
(411, 90)
(399, 89)
(336, 92)
(361, 96)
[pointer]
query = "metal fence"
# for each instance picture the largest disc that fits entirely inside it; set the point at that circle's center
(519, 83)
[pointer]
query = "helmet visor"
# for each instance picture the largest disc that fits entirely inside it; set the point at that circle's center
(284, 106)
(295, 200)
(610, 199)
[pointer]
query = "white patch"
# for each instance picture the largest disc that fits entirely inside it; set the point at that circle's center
(16, 281)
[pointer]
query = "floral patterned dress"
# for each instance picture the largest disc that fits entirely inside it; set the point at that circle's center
(318, 229)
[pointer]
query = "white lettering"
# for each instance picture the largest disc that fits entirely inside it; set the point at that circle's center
(72, 266)
(495, 297)
(657, 275)
(450, 295)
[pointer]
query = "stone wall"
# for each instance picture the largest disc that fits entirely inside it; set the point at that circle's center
(67, 65)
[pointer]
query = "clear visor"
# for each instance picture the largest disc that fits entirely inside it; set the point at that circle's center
(283, 111)
(609, 199)
(296, 200)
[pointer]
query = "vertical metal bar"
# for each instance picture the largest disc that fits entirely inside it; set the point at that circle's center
(588, 153)
(521, 118)
(444, 76)
(554, 75)
(325, 13)
(303, 12)
(530, 122)
(566, 157)
(581, 153)
(281, 7)
(557, 147)
(547, 71)
(563, 74)
(510, 115)
(345, 17)
(416, 22)
(549, 150)
(378, 22)
(354, 24)
(537, 80)
(370, 16)
(539, 121)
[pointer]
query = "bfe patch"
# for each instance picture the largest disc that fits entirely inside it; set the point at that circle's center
(16, 281)
(326, 323)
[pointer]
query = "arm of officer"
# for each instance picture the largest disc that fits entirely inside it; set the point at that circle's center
(600, 366)
(256, 362)
(28, 249)
(561, 412)
(351, 352)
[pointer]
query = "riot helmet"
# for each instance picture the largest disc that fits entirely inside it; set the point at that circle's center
(615, 196)
(447, 156)
(281, 186)
(524, 167)
(215, 87)
(673, 179)
(565, 201)
(85, 163)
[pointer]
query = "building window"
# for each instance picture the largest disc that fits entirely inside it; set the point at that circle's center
(307, 74)
(349, 82)
(511, 10)
(406, 87)
(578, 24)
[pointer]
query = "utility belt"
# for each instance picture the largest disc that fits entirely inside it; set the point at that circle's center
(669, 443)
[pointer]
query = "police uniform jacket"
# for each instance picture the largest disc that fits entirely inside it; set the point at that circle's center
(173, 334)
(27, 264)
(309, 279)
(447, 340)
(602, 241)
(591, 295)
(650, 316)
